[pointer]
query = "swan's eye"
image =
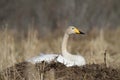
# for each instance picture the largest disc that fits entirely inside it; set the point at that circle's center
(72, 28)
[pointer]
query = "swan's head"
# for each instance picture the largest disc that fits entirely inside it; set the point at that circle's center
(73, 30)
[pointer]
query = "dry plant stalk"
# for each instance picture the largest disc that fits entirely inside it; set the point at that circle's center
(105, 59)
(42, 73)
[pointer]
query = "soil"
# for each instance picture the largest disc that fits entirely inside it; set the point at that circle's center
(57, 71)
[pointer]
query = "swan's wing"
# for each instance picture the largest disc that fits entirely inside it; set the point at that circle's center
(45, 57)
(72, 61)
(80, 60)
(65, 61)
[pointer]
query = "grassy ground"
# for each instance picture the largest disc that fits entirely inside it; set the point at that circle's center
(16, 47)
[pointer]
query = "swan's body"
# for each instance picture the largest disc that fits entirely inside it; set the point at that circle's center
(66, 58)
(71, 61)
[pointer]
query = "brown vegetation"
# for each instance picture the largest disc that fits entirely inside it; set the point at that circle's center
(16, 48)
(58, 71)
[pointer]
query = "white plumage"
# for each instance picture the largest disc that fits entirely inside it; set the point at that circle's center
(66, 58)
(44, 57)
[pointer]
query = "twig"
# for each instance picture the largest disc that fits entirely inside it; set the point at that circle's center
(42, 72)
(105, 59)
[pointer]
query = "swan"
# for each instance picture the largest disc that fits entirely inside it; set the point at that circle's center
(65, 58)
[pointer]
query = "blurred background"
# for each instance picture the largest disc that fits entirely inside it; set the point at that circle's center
(50, 15)
(29, 27)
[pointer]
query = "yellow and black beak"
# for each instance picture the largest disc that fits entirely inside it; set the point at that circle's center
(78, 32)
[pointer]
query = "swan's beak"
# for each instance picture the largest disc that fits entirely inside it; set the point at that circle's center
(78, 32)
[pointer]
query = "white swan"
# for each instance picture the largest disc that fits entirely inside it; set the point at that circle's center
(66, 58)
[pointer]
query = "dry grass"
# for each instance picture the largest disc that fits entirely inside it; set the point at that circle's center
(14, 49)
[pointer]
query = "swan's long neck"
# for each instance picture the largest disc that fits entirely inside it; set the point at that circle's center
(65, 53)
